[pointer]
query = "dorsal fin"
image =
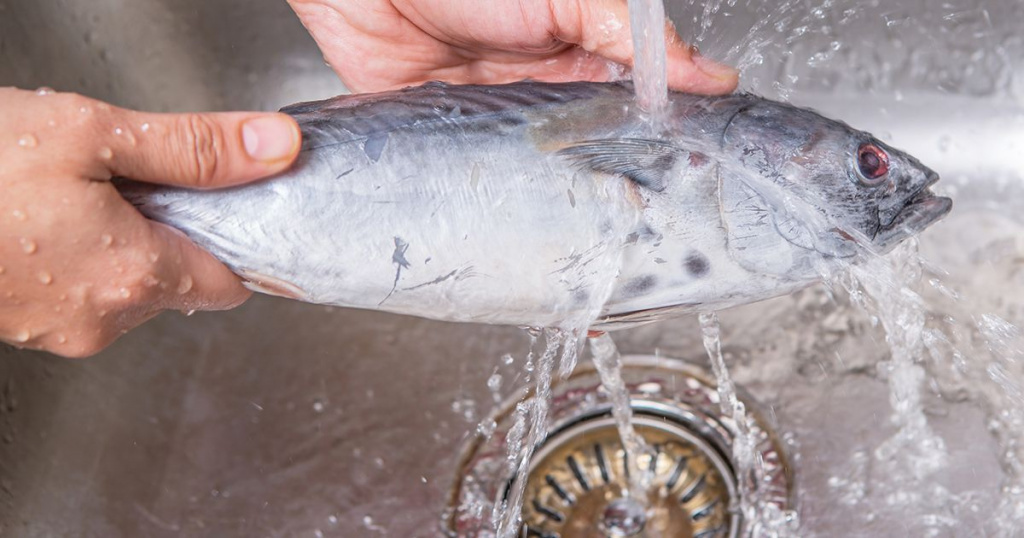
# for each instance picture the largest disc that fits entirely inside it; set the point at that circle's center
(349, 118)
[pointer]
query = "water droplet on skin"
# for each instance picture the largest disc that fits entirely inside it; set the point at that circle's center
(185, 284)
(51, 123)
(106, 240)
(125, 292)
(118, 131)
(507, 359)
(318, 406)
(18, 214)
(45, 91)
(145, 127)
(153, 257)
(63, 297)
(45, 278)
(61, 339)
(2, 269)
(23, 336)
(27, 245)
(28, 141)
(106, 153)
(188, 312)
(149, 281)
(84, 110)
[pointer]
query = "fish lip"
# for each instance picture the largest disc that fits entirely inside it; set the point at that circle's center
(920, 211)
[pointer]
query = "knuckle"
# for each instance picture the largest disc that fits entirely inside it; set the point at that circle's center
(201, 142)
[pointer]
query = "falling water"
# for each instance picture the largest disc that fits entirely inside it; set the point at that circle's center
(529, 429)
(609, 366)
(650, 78)
(761, 518)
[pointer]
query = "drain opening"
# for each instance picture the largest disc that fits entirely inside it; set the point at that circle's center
(578, 477)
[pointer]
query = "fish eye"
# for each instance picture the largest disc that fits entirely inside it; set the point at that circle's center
(872, 164)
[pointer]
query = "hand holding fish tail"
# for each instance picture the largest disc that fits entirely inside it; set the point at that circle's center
(78, 264)
(377, 45)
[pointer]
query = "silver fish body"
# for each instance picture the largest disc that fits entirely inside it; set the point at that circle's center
(552, 205)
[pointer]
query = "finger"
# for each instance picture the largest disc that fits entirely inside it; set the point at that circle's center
(602, 27)
(200, 150)
(195, 279)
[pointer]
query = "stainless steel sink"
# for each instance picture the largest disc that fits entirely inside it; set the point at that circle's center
(286, 419)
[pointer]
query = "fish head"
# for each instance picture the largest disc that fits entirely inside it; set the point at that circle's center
(827, 187)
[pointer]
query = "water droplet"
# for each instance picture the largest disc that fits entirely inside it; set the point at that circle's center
(149, 281)
(507, 359)
(28, 141)
(19, 214)
(51, 123)
(61, 339)
(318, 406)
(106, 240)
(153, 257)
(45, 91)
(118, 131)
(45, 277)
(125, 292)
(22, 336)
(332, 519)
(494, 382)
(106, 153)
(2, 269)
(145, 127)
(185, 284)
(84, 110)
(27, 245)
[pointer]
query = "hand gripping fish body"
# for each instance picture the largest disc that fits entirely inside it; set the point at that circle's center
(538, 204)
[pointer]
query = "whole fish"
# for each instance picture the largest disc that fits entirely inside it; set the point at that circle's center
(539, 204)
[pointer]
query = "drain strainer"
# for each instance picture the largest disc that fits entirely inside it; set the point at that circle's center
(578, 477)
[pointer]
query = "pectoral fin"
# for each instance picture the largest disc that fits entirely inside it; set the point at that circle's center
(647, 163)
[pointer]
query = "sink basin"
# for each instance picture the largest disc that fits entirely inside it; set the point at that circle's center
(286, 419)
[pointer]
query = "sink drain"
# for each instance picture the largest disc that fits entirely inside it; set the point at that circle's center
(578, 477)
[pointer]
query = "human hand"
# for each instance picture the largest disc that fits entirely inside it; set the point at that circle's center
(376, 45)
(79, 265)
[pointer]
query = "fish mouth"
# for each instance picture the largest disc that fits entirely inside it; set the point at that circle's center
(921, 210)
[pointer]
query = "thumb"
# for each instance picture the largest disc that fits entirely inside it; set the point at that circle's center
(201, 151)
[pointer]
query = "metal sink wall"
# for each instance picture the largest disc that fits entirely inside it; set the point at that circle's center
(285, 419)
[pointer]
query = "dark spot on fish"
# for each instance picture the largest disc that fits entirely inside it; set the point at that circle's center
(632, 238)
(659, 260)
(374, 146)
(698, 159)
(639, 285)
(572, 198)
(426, 261)
(345, 173)
(696, 264)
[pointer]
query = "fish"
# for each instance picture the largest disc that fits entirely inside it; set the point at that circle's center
(555, 204)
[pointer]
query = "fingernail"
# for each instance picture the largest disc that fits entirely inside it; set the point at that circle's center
(270, 138)
(715, 69)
